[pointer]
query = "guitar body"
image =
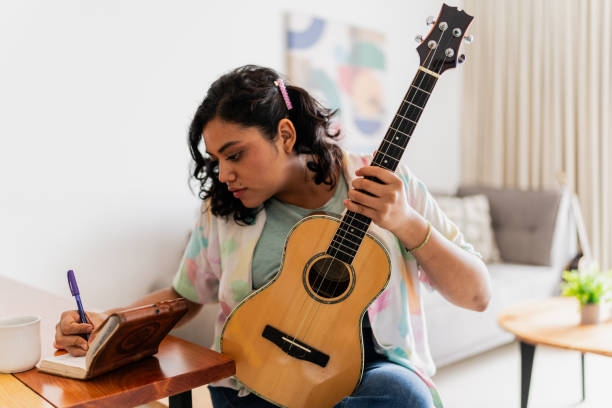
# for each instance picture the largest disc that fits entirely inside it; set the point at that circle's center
(297, 341)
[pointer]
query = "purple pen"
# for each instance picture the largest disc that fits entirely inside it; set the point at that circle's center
(74, 289)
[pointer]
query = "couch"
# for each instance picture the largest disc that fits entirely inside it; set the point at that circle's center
(536, 235)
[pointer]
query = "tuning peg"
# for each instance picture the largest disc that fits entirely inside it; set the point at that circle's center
(469, 39)
(461, 59)
(418, 38)
(430, 20)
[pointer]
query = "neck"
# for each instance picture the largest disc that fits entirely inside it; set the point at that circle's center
(300, 188)
(354, 226)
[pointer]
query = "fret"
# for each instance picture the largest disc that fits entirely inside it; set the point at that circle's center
(387, 155)
(388, 142)
(385, 161)
(344, 252)
(399, 131)
(422, 90)
(354, 217)
(344, 249)
(416, 106)
(352, 230)
(398, 139)
(409, 110)
(354, 238)
(403, 117)
(339, 255)
(356, 241)
(411, 105)
(391, 148)
(361, 219)
(347, 242)
(425, 81)
(417, 97)
(403, 125)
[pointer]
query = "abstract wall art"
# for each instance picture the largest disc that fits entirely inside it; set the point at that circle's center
(344, 67)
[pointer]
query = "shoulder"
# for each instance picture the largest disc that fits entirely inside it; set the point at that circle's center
(357, 160)
(206, 220)
(351, 162)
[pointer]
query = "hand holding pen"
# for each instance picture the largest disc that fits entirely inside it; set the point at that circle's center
(74, 290)
(70, 331)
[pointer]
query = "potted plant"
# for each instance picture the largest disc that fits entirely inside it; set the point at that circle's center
(591, 288)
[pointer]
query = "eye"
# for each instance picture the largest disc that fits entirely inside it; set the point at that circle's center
(234, 157)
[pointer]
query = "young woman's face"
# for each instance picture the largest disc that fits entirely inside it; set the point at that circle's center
(252, 166)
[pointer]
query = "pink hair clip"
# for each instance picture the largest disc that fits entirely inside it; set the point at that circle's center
(281, 85)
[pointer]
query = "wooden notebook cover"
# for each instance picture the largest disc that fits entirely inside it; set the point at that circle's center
(138, 335)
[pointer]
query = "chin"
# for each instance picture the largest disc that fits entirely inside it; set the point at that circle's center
(250, 203)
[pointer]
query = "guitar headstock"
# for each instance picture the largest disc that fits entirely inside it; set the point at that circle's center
(439, 51)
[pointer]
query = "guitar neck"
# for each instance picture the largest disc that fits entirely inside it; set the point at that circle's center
(353, 227)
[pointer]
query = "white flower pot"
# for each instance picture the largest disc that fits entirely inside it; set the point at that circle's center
(592, 313)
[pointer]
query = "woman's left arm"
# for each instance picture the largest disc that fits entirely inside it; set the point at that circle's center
(459, 276)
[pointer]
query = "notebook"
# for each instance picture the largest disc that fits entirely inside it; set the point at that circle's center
(124, 337)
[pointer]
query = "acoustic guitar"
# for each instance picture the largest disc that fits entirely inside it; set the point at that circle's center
(297, 340)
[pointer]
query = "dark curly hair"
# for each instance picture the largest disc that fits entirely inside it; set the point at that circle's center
(248, 96)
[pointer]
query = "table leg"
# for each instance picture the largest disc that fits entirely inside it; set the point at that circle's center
(582, 367)
(182, 400)
(527, 352)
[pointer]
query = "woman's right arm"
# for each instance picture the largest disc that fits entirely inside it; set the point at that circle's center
(69, 328)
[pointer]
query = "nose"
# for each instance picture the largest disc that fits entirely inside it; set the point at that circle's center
(226, 172)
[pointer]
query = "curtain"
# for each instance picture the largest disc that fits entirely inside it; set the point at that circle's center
(538, 104)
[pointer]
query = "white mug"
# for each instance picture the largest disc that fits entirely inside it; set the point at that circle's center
(19, 343)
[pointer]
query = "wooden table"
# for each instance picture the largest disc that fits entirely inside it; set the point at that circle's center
(178, 367)
(553, 322)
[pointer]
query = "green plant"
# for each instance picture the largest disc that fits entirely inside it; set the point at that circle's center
(588, 286)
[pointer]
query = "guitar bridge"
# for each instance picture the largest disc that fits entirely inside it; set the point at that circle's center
(293, 347)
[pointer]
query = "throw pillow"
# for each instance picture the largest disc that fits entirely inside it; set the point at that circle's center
(471, 214)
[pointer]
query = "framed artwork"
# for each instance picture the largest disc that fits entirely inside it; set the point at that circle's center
(343, 67)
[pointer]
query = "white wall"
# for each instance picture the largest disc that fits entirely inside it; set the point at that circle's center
(95, 101)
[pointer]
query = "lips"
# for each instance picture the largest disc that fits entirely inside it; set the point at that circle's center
(237, 192)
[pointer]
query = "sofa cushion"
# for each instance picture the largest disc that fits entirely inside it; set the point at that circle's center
(455, 333)
(471, 214)
(523, 222)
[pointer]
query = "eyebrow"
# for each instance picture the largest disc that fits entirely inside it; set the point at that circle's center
(225, 146)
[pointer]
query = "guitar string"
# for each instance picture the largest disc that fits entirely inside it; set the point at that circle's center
(316, 303)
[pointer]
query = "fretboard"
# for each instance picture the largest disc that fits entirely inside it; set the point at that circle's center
(353, 227)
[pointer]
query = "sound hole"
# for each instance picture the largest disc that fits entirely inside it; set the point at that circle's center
(329, 278)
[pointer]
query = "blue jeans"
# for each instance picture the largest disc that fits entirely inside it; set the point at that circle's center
(384, 384)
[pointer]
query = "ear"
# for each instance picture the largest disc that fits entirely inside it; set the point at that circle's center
(287, 135)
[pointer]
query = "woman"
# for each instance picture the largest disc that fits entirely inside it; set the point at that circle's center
(271, 159)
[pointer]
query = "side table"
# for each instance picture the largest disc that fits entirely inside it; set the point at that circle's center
(553, 322)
